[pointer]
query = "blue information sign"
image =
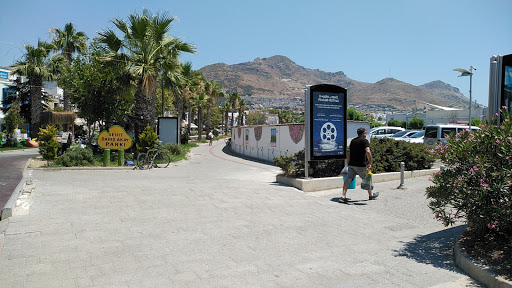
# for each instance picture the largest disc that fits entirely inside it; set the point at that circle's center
(328, 122)
(4, 74)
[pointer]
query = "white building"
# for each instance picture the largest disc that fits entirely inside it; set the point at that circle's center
(6, 79)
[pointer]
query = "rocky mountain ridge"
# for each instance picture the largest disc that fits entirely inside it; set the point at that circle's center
(278, 76)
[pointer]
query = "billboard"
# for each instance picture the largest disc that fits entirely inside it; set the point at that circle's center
(326, 126)
(169, 130)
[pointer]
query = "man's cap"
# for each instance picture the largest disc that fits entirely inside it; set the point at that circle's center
(360, 130)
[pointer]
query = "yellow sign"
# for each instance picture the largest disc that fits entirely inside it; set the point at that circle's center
(115, 138)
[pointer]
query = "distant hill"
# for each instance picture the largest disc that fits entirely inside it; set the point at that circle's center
(278, 76)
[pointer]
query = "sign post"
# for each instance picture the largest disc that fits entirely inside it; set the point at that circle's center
(117, 139)
(326, 123)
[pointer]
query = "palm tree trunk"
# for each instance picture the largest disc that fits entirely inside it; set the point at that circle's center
(36, 107)
(208, 119)
(143, 114)
(67, 102)
(200, 121)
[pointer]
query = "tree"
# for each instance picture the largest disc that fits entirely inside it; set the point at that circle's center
(200, 100)
(101, 90)
(214, 90)
(147, 45)
(241, 111)
(233, 101)
(287, 116)
(187, 83)
(38, 67)
(416, 123)
(225, 108)
(13, 118)
(394, 123)
(352, 114)
(256, 118)
(68, 41)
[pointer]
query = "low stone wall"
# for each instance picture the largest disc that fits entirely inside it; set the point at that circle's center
(319, 184)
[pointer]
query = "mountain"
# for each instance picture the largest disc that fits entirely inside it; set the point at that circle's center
(278, 76)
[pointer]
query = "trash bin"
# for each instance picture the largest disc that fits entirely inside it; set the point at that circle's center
(352, 184)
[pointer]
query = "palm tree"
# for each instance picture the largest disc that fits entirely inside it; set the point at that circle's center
(187, 83)
(147, 48)
(214, 90)
(69, 41)
(225, 108)
(37, 67)
(241, 110)
(233, 100)
(200, 101)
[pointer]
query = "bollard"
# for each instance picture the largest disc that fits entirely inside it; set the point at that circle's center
(402, 170)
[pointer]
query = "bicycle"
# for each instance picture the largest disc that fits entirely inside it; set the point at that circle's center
(158, 160)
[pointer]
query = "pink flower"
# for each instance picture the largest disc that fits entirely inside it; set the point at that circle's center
(504, 107)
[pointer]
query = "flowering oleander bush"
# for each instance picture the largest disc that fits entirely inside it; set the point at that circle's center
(476, 184)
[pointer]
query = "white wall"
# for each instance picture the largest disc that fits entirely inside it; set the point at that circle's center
(264, 150)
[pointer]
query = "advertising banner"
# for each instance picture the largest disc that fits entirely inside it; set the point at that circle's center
(327, 122)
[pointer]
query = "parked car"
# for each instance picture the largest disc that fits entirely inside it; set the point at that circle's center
(403, 135)
(416, 137)
(437, 133)
(384, 131)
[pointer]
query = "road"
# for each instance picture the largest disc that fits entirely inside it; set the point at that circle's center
(12, 163)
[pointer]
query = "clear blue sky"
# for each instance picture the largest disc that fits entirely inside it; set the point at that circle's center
(412, 41)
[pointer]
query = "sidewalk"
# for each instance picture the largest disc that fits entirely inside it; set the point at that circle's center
(221, 221)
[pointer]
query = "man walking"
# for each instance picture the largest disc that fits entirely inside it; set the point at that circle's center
(359, 159)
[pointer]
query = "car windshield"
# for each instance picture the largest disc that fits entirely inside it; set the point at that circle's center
(418, 134)
(400, 134)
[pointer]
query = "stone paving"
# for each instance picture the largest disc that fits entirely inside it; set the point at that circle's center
(220, 221)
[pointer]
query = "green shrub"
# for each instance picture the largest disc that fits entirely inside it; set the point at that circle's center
(48, 145)
(387, 154)
(147, 138)
(286, 164)
(294, 166)
(173, 149)
(476, 184)
(184, 137)
(76, 157)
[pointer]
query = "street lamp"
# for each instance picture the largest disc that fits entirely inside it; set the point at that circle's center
(469, 73)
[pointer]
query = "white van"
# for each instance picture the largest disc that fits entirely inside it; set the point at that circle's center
(384, 131)
(437, 133)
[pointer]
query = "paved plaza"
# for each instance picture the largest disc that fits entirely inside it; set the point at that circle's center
(217, 220)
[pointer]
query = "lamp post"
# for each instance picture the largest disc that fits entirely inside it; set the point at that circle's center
(469, 73)
(163, 96)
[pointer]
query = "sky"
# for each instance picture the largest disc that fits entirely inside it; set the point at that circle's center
(414, 41)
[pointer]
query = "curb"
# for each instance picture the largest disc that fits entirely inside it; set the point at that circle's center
(327, 183)
(478, 271)
(9, 206)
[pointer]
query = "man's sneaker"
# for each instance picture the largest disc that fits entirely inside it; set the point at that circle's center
(343, 199)
(374, 196)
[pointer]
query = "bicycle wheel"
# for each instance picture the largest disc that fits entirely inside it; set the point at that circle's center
(142, 161)
(162, 160)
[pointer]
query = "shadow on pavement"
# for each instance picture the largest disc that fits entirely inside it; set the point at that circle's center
(435, 249)
(350, 202)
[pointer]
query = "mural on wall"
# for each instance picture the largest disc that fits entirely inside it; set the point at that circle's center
(257, 132)
(246, 136)
(273, 137)
(296, 132)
